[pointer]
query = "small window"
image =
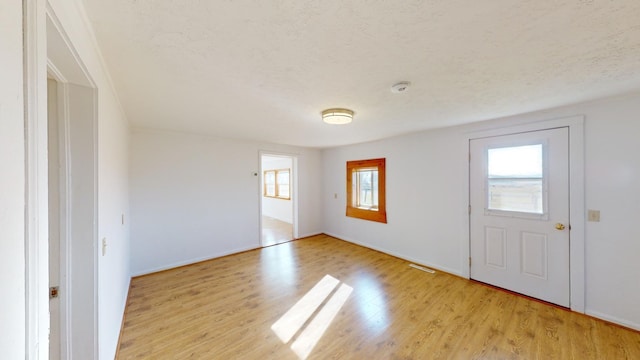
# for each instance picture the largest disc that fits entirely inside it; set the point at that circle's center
(277, 184)
(366, 190)
(515, 179)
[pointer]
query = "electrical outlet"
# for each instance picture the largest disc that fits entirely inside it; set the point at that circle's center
(593, 215)
(104, 246)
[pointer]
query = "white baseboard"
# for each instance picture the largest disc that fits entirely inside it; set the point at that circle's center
(192, 261)
(122, 319)
(595, 314)
(613, 319)
(204, 258)
(401, 256)
(302, 236)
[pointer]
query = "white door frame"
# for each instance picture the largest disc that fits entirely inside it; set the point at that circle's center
(294, 189)
(37, 244)
(40, 21)
(576, 201)
(61, 121)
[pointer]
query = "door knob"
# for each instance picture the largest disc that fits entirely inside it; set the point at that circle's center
(559, 226)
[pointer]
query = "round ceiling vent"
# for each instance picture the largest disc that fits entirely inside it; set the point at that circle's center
(400, 87)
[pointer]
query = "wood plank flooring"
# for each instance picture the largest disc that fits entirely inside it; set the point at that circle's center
(371, 306)
(275, 231)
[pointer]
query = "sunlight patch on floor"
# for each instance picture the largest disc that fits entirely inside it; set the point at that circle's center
(314, 331)
(289, 324)
(293, 320)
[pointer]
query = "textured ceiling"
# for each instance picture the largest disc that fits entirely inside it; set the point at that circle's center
(264, 69)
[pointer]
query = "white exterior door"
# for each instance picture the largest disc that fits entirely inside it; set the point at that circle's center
(519, 213)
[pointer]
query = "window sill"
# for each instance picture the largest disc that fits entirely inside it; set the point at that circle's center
(371, 215)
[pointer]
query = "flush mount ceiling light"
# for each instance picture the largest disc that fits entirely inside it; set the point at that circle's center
(337, 116)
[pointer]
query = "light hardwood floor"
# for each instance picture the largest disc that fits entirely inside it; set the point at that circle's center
(237, 307)
(275, 231)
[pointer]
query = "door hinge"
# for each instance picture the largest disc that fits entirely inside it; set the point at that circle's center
(469, 209)
(53, 292)
(469, 261)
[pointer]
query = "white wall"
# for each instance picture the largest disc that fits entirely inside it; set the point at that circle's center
(424, 190)
(426, 193)
(12, 184)
(114, 218)
(196, 197)
(280, 209)
(113, 157)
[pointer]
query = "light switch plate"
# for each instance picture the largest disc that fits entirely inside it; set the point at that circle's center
(593, 215)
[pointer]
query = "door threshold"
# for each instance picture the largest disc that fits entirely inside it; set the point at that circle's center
(520, 295)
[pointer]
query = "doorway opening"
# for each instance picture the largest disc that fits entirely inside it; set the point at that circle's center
(72, 193)
(56, 221)
(277, 199)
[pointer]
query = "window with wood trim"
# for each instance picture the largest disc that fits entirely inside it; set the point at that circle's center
(277, 184)
(366, 190)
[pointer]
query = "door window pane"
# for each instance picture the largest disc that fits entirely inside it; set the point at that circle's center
(515, 179)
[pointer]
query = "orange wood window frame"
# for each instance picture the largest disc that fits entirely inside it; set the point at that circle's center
(379, 215)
